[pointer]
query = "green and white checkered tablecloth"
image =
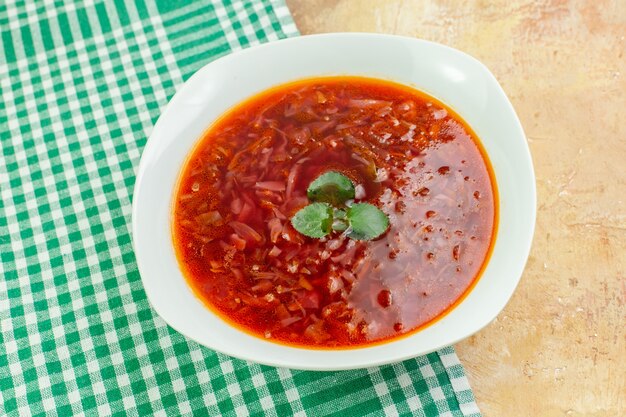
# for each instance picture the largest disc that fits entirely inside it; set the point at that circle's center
(82, 84)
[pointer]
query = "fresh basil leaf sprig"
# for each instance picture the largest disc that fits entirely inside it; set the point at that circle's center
(331, 187)
(314, 220)
(333, 209)
(366, 221)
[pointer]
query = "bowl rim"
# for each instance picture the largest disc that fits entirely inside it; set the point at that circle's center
(145, 167)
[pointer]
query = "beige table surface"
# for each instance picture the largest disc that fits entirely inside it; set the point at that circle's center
(559, 347)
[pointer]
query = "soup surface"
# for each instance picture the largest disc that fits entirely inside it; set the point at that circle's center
(408, 155)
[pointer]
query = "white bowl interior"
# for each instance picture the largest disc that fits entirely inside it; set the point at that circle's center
(453, 77)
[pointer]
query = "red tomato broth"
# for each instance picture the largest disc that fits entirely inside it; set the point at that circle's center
(414, 158)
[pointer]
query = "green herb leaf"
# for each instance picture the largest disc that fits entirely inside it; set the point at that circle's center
(339, 225)
(314, 220)
(331, 187)
(366, 221)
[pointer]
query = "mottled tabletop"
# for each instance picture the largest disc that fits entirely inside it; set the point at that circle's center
(559, 347)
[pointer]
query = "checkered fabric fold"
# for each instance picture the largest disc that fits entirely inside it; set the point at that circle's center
(82, 84)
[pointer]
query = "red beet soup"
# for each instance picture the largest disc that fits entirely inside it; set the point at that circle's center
(406, 153)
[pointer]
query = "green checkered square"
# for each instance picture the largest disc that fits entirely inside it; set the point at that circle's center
(82, 84)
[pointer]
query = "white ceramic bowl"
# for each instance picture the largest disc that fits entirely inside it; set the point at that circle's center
(457, 79)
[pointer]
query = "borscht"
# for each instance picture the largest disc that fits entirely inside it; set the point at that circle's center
(335, 212)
